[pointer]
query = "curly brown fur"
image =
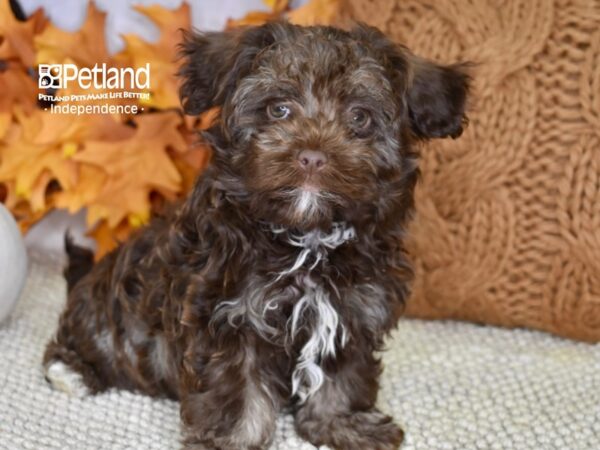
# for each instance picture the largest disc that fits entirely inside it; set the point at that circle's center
(81, 261)
(276, 280)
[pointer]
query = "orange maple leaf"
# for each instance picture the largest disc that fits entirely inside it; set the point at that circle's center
(107, 238)
(17, 88)
(253, 18)
(316, 12)
(85, 47)
(16, 37)
(134, 167)
(17, 53)
(161, 55)
(91, 179)
(277, 8)
(34, 151)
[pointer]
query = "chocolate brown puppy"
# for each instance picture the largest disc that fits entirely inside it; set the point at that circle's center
(274, 282)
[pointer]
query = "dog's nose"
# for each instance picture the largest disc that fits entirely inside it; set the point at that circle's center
(312, 160)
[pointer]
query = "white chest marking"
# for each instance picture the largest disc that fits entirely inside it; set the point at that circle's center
(308, 376)
(317, 243)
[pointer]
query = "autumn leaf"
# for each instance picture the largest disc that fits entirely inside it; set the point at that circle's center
(161, 55)
(277, 6)
(107, 238)
(5, 121)
(196, 157)
(252, 19)
(86, 47)
(95, 162)
(17, 54)
(135, 166)
(190, 163)
(89, 181)
(16, 37)
(36, 145)
(316, 12)
(39, 147)
(17, 88)
(22, 209)
(26, 217)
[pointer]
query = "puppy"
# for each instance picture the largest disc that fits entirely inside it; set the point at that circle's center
(272, 285)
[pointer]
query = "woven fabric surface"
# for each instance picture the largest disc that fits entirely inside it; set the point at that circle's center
(450, 385)
(508, 223)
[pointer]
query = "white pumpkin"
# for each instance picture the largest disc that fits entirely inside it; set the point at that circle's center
(13, 263)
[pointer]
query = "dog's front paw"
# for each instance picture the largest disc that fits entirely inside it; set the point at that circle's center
(64, 378)
(371, 430)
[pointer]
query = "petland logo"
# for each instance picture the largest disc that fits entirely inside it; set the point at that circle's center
(110, 90)
(59, 76)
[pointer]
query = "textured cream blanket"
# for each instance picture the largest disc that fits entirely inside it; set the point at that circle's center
(451, 386)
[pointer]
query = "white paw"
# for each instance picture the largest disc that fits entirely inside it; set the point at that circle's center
(65, 379)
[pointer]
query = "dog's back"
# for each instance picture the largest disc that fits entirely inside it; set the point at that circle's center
(80, 262)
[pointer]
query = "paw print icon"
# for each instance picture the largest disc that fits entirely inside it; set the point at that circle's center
(49, 76)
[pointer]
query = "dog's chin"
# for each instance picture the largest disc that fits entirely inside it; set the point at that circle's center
(310, 208)
(301, 208)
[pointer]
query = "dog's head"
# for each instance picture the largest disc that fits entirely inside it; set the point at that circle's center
(316, 123)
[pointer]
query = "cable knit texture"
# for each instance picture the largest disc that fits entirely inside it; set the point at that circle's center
(508, 224)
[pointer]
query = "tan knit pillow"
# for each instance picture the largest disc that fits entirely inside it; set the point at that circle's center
(508, 223)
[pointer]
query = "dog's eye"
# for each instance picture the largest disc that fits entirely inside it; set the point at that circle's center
(360, 118)
(278, 111)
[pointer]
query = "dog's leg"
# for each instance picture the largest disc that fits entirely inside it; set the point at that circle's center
(342, 413)
(228, 402)
(71, 358)
(82, 358)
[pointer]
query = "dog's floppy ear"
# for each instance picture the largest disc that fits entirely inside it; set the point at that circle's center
(214, 61)
(436, 97)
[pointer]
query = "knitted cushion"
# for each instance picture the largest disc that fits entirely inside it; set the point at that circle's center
(450, 385)
(508, 224)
